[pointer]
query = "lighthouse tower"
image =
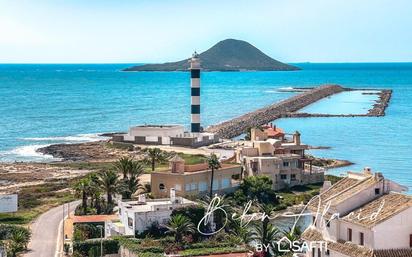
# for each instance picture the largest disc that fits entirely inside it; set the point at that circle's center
(195, 93)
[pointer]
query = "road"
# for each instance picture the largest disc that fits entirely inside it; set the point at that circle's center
(46, 230)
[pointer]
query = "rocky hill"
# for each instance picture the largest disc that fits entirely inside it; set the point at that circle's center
(227, 55)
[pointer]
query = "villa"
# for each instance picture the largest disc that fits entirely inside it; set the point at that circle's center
(137, 216)
(281, 158)
(365, 215)
(193, 180)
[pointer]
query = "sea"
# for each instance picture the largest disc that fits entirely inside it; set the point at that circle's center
(43, 104)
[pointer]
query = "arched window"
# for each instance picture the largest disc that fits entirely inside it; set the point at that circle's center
(162, 186)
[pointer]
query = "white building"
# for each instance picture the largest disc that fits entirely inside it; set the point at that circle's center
(367, 217)
(137, 216)
(151, 134)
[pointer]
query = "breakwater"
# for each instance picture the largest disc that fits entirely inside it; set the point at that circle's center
(240, 125)
(289, 108)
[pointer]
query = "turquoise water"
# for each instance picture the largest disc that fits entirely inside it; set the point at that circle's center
(348, 102)
(45, 104)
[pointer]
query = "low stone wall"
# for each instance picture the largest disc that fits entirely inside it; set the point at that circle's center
(239, 125)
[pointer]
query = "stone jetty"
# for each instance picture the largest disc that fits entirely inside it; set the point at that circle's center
(240, 125)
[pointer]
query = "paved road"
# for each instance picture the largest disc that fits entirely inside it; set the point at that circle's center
(45, 232)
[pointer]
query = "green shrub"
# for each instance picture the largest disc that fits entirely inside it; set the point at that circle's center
(83, 248)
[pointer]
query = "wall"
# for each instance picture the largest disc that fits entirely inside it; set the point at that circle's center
(198, 179)
(397, 229)
(239, 125)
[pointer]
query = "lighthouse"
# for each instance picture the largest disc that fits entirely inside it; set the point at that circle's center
(195, 93)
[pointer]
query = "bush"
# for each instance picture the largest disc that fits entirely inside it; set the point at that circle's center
(87, 231)
(83, 248)
(257, 188)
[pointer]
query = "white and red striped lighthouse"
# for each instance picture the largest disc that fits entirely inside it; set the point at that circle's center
(195, 93)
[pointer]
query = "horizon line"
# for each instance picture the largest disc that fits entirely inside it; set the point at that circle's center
(143, 63)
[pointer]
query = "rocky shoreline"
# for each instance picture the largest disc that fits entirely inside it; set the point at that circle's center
(239, 125)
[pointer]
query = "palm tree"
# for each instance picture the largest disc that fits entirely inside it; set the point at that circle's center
(18, 241)
(293, 235)
(123, 165)
(96, 195)
(214, 164)
(265, 233)
(82, 189)
(179, 226)
(109, 183)
(131, 182)
(241, 231)
(155, 155)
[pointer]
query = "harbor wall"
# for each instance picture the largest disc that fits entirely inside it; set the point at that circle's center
(240, 125)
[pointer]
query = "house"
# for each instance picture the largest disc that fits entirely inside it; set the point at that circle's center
(136, 216)
(193, 180)
(165, 135)
(282, 159)
(362, 215)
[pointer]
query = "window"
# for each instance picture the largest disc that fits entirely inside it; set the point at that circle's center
(327, 253)
(293, 176)
(162, 187)
(349, 234)
(215, 184)
(410, 241)
(202, 186)
(361, 238)
(225, 183)
(283, 176)
(313, 252)
(120, 211)
(178, 187)
(187, 187)
(193, 186)
(377, 191)
(327, 223)
(130, 222)
(314, 220)
(319, 253)
(285, 164)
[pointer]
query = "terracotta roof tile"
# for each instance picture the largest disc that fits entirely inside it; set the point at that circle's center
(387, 205)
(354, 250)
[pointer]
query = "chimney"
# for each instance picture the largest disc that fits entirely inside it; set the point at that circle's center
(326, 185)
(367, 171)
(142, 198)
(296, 138)
(172, 195)
(195, 93)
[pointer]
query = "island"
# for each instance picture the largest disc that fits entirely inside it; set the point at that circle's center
(226, 55)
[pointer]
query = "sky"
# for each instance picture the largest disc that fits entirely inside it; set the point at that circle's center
(142, 31)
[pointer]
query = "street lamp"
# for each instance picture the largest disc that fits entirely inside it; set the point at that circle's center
(101, 240)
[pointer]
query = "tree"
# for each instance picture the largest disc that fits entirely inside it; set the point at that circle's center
(109, 183)
(180, 226)
(264, 232)
(18, 241)
(214, 164)
(123, 166)
(155, 155)
(82, 189)
(131, 183)
(258, 188)
(131, 171)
